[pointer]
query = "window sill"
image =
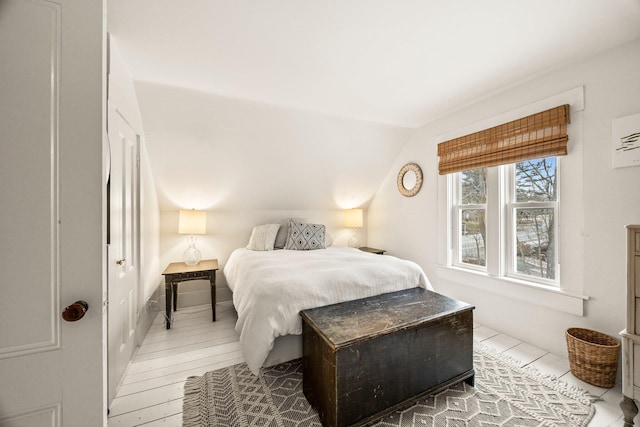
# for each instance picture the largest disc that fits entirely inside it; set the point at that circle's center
(545, 296)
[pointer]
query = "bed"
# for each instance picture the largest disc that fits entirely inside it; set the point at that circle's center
(271, 287)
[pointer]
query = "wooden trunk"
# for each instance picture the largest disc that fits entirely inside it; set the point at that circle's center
(365, 358)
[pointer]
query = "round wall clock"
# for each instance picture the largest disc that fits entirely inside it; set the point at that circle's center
(409, 179)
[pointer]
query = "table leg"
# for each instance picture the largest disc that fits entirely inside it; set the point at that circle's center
(212, 281)
(167, 297)
(175, 295)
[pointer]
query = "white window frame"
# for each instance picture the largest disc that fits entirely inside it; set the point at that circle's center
(500, 208)
(456, 220)
(456, 212)
(511, 206)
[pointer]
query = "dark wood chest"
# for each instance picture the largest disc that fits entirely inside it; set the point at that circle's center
(365, 358)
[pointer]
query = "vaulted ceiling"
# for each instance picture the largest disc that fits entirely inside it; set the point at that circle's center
(288, 98)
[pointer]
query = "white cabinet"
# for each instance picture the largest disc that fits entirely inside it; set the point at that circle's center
(631, 335)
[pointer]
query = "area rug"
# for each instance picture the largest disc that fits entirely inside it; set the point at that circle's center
(504, 395)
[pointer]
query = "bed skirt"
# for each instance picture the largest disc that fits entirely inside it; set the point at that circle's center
(285, 348)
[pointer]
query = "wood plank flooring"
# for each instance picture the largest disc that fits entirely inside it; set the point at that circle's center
(152, 389)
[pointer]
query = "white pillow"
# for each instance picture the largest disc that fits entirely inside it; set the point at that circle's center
(328, 240)
(263, 237)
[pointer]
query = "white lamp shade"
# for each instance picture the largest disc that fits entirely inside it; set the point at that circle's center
(353, 218)
(192, 222)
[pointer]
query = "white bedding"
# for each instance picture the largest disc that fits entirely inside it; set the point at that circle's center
(270, 288)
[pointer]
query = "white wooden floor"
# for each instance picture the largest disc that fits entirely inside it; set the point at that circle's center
(152, 389)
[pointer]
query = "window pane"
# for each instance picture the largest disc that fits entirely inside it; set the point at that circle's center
(473, 237)
(473, 186)
(535, 242)
(536, 180)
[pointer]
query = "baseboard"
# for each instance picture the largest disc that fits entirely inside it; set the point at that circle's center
(148, 314)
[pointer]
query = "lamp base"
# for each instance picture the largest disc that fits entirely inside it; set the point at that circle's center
(353, 241)
(191, 255)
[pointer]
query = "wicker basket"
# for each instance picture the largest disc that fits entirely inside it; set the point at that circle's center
(593, 356)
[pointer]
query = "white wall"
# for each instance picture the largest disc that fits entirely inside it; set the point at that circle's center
(217, 153)
(122, 94)
(229, 230)
(610, 200)
(149, 230)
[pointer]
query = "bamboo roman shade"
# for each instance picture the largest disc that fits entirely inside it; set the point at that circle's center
(539, 135)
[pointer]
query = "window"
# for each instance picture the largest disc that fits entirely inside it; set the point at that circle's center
(470, 212)
(512, 209)
(527, 247)
(532, 219)
(505, 196)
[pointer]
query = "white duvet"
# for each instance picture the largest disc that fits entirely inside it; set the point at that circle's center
(270, 288)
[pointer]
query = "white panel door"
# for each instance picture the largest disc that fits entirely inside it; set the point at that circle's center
(123, 248)
(51, 212)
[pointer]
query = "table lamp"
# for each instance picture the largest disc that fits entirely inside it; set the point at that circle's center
(192, 222)
(353, 220)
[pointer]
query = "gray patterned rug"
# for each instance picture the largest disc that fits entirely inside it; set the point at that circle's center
(504, 395)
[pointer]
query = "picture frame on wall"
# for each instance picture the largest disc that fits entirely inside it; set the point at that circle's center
(625, 133)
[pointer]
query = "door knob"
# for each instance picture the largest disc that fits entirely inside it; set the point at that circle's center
(75, 311)
(121, 261)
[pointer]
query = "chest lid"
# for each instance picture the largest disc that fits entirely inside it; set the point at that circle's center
(351, 321)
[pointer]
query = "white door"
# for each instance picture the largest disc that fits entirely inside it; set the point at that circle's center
(123, 248)
(52, 228)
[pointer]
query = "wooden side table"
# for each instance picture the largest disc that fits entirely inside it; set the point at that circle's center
(177, 272)
(372, 250)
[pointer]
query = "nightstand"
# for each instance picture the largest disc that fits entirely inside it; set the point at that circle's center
(372, 250)
(178, 272)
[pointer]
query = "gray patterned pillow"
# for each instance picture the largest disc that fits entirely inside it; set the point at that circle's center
(283, 232)
(303, 236)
